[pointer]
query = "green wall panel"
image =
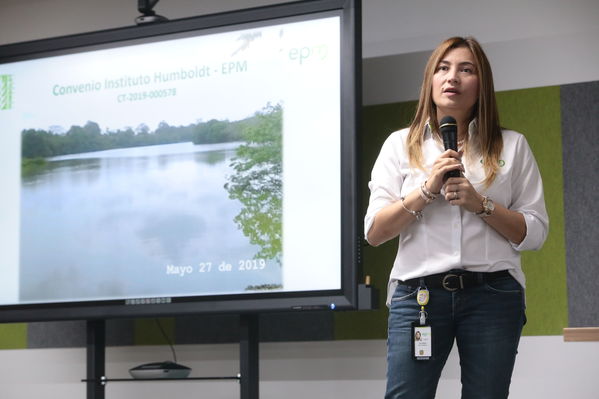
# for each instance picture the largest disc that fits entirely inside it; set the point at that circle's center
(377, 123)
(536, 114)
(533, 112)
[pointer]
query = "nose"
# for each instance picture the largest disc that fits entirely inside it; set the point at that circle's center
(452, 76)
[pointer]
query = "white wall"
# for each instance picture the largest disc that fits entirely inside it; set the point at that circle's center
(546, 368)
(518, 64)
(530, 43)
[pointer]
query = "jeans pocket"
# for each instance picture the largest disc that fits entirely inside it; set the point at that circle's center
(403, 292)
(504, 286)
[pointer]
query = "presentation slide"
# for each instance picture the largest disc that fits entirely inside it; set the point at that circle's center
(203, 164)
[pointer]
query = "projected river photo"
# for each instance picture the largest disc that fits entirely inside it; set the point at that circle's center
(195, 217)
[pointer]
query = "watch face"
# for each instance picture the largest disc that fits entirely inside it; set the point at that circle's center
(489, 207)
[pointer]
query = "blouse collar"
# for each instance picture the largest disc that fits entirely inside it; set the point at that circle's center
(472, 129)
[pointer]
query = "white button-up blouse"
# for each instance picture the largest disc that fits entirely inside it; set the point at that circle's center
(449, 237)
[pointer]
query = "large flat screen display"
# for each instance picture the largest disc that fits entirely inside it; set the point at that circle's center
(204, 164)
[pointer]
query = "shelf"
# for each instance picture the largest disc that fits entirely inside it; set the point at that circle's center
(248, 376)
(581, 334)
(104, 380)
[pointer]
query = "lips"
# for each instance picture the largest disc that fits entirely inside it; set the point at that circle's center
(451, 90)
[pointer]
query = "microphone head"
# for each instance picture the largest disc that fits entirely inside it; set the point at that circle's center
(449, 133)
(448, 122)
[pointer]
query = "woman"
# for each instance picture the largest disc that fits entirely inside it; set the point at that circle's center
(457, 269)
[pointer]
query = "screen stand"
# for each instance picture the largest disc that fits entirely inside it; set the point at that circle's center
(249, 378)
(248, 356)
(96, 358)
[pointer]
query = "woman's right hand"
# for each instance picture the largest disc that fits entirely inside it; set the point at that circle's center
(447, 161)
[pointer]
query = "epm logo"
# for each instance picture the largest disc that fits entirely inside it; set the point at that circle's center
(6, 89)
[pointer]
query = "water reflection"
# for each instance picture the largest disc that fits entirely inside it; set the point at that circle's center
(106, 224)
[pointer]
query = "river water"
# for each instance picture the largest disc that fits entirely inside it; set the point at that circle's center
(136, 222)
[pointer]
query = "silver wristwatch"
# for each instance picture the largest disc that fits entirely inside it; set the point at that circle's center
(488, 207)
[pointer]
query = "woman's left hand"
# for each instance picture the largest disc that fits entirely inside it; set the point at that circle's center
(459, 191)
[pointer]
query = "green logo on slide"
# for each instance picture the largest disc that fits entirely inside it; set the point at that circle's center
(6, 88)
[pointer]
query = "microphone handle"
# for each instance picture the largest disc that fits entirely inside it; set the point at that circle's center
(453, 173)
(450, 142)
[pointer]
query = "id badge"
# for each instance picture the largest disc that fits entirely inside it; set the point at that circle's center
(422, 341)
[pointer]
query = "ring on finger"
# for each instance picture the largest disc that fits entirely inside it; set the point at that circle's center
(455, 195)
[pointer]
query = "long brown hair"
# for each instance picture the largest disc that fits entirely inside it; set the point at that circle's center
(489, 140)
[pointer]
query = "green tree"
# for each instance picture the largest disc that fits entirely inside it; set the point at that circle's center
(257, 182)
(216, 131)
(213, 131)
(36, 144)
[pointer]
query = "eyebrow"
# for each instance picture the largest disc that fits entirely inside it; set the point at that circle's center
(459, 63)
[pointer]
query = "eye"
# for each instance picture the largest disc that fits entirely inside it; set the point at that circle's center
(442, 68)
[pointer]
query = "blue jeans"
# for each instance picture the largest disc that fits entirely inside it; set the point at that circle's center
(485, 321)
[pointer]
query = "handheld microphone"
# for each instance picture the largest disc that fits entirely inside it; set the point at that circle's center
(449, 132)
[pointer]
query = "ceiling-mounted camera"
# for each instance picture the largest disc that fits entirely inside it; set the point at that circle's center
(149, 16)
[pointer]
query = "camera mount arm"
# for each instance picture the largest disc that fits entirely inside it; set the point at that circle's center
(149, 16)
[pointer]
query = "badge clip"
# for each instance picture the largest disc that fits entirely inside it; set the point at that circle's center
(422, 336)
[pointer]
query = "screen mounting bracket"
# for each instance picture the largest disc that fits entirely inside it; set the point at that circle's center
(149, 16)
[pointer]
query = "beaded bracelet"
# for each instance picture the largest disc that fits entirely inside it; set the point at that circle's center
(416, 214)
(426, 195)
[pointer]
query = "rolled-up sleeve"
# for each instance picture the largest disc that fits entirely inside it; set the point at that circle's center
(528, 198)
(385, 180)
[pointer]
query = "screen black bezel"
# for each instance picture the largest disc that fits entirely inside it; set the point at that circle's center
(346, 297)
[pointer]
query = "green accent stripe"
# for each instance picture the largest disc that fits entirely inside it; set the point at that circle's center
(13, 336)
(5, 92)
